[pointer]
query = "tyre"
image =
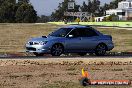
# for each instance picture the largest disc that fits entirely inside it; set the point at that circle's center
(100, 50)
(57, 50)
(82, 54)
(38, 54)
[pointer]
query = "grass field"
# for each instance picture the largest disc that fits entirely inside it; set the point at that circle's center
(119, 24)
(14, 36)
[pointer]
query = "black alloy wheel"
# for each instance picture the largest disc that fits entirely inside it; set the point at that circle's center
(100, 50)
(57, 50)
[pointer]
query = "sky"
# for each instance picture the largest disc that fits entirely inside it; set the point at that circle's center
(46, 7)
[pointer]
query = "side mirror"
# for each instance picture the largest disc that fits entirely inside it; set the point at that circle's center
(70, 36)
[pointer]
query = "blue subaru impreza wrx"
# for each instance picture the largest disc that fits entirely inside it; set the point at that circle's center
(71, 39)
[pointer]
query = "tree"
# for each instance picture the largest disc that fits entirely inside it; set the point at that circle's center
(89, 6)
(104, 8)
(84, 8)
(93, 7)
(23, 1)
(112, 17)
(114, 4)
(11, 12)
(43, 19)
(26, 13)
(63, 7)
(7, 12)
(9, 1)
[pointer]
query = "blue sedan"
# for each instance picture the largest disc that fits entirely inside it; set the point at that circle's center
(71, 39)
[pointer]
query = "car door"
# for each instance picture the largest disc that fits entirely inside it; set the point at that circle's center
(73, 44)
(89, 39)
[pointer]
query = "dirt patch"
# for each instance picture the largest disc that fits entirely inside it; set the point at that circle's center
(14, 36)
(60, 73)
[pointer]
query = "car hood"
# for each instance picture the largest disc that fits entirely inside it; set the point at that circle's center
(43, 38)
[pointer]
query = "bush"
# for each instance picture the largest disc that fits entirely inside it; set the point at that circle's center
(112, 17)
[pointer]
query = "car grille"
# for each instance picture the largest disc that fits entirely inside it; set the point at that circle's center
(30, 43)
(30, 48)
(33, 43)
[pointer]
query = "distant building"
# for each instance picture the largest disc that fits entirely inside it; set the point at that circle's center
(124, 11)
(98, 19)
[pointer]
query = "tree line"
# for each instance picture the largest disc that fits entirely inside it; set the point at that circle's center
(21, 12)
(93, 7)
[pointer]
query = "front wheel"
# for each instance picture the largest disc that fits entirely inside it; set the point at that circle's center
(57, 50)
(100, 50)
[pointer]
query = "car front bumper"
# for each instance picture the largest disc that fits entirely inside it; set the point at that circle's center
(37, 49)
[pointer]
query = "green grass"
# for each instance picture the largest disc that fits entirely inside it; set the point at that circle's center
(120, 24)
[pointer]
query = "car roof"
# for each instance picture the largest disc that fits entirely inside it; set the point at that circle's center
(76, 26)
(82, 26)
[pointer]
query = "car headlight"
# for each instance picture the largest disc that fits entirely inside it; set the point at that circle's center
(43, 42)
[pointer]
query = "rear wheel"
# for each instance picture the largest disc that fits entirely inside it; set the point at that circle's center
(38, 54)
(57, 50)
(100, 50)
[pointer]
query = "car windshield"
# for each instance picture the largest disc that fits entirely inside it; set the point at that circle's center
(62, 32)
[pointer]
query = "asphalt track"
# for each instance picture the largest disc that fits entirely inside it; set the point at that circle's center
(24, 55)
(67, 57)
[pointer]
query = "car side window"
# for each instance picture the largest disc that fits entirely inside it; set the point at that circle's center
(75, 33)
(89, 32)
(83, 32)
